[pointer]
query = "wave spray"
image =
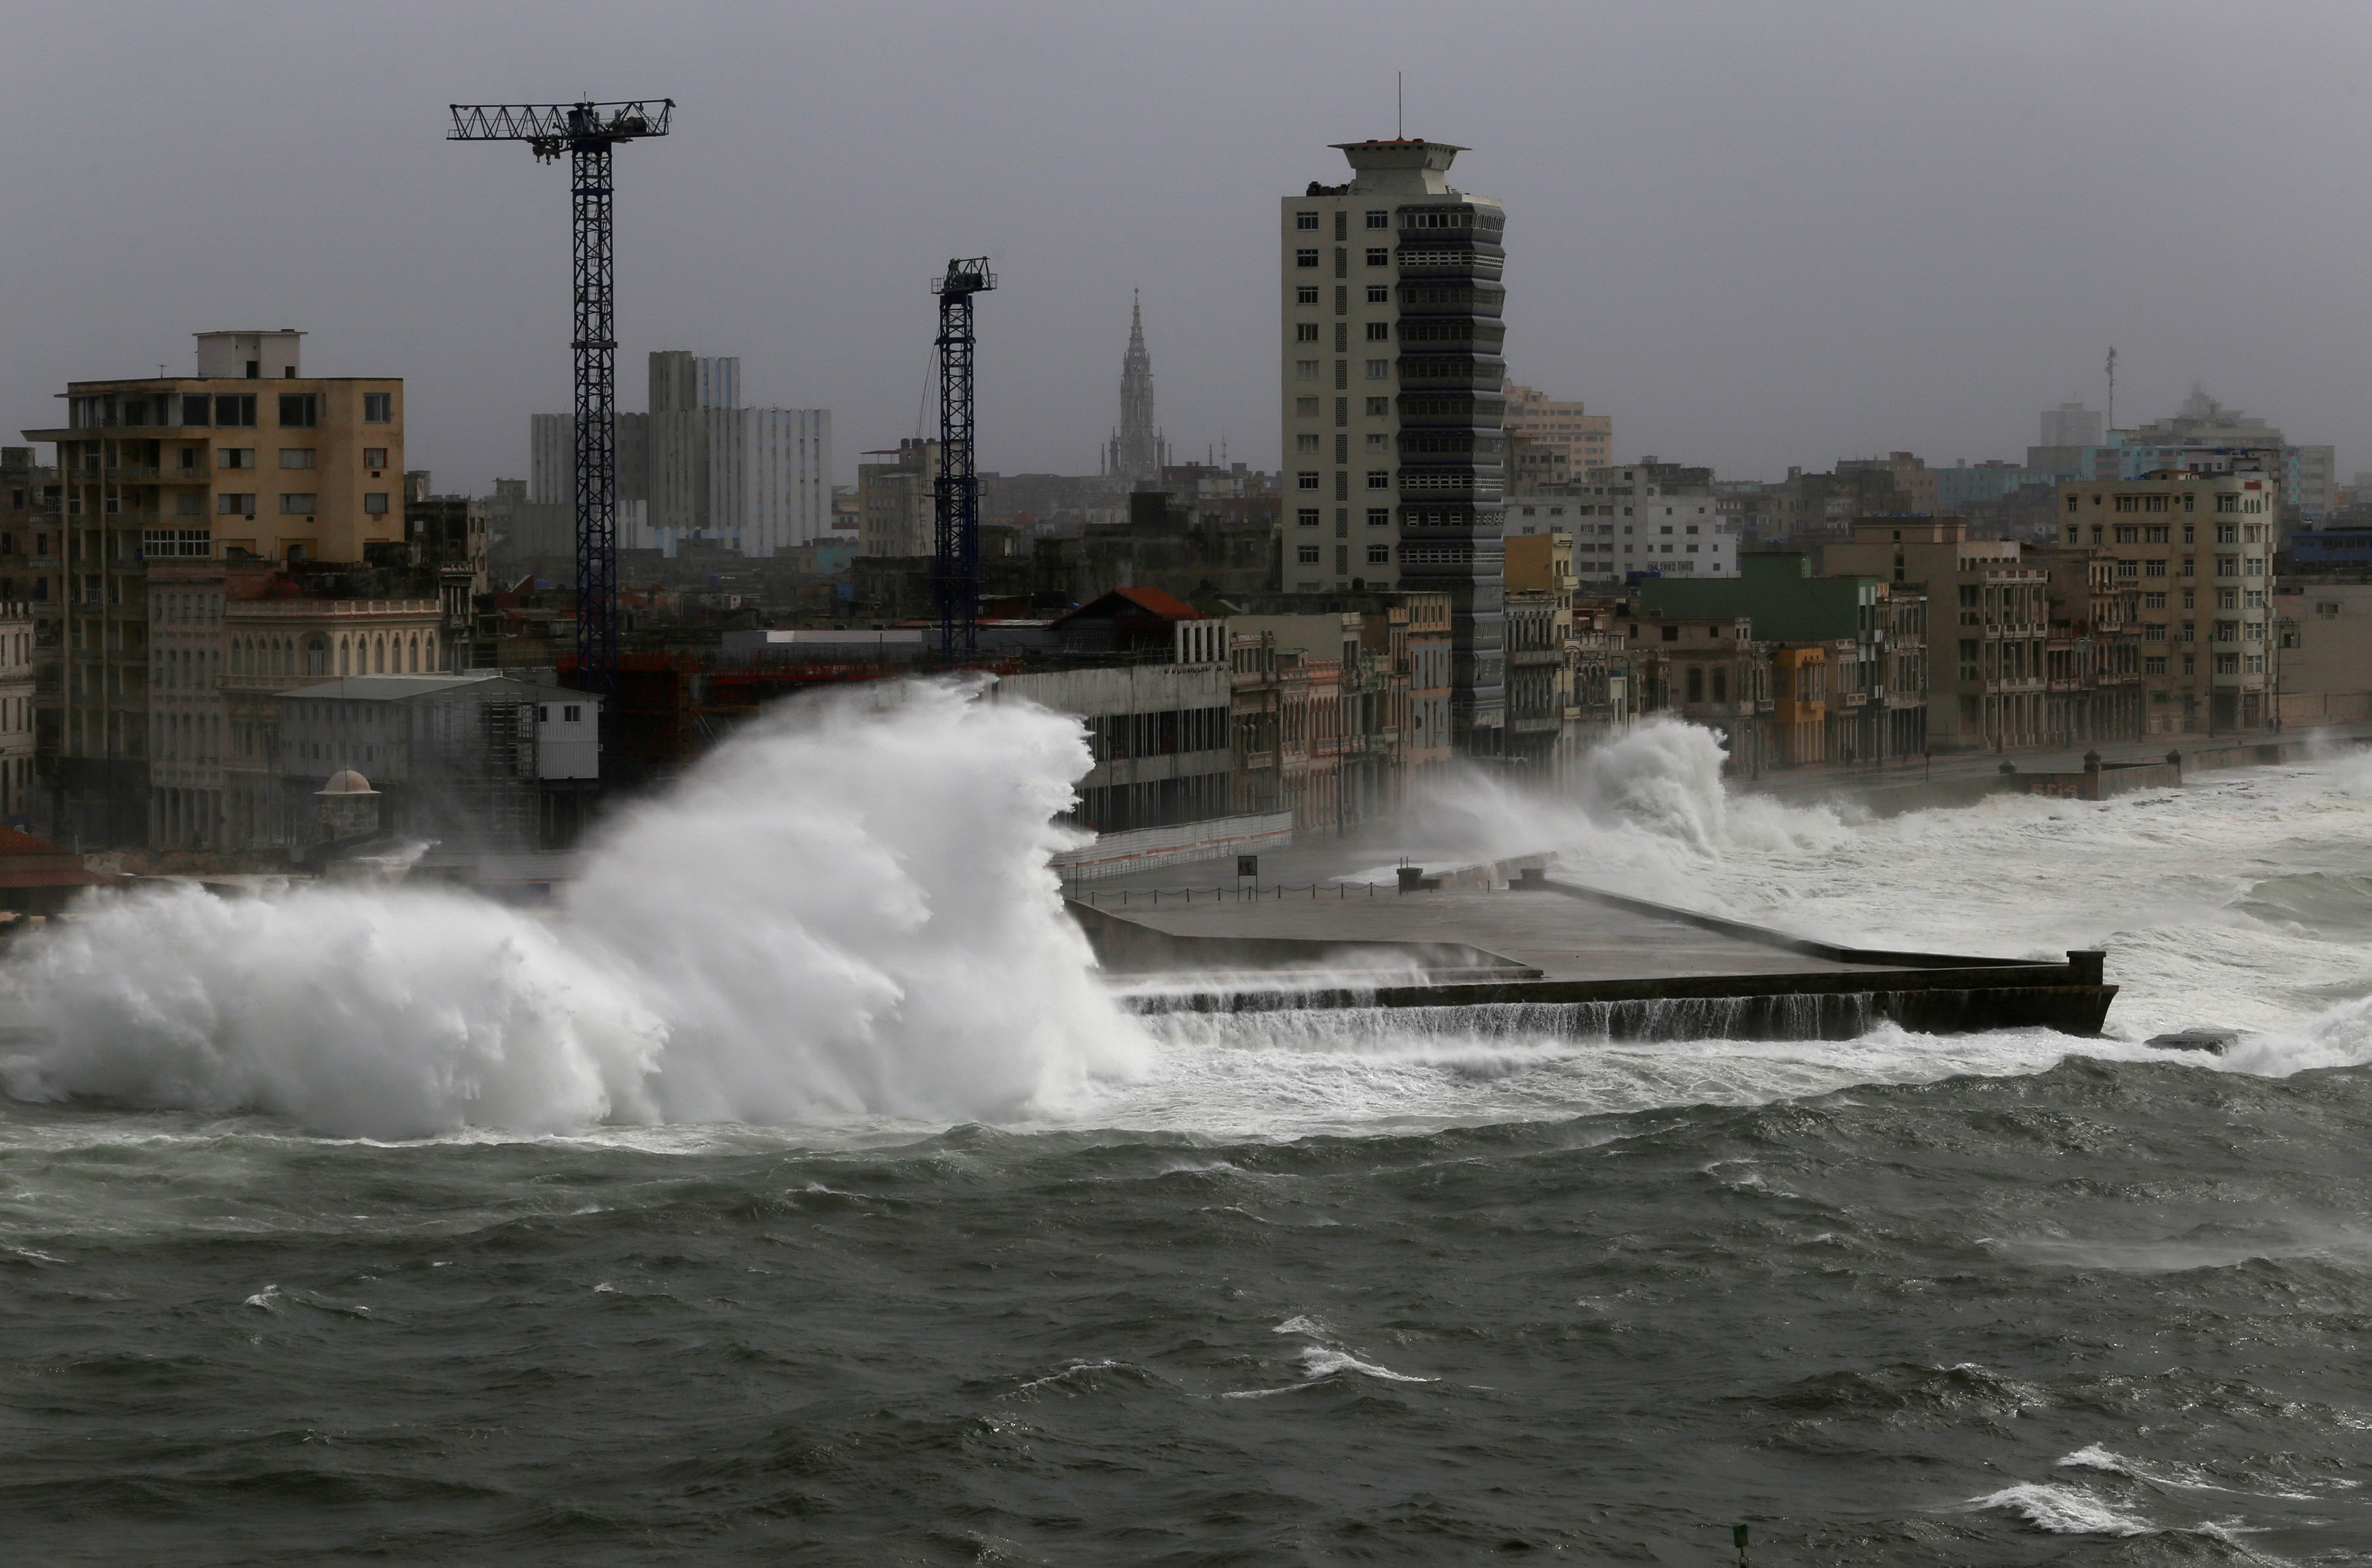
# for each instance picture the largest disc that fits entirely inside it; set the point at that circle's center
(845, 911)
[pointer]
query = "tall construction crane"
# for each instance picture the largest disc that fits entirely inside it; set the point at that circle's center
(586, 133)
(955, 566)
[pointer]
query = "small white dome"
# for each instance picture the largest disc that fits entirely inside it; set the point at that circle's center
(348, 781)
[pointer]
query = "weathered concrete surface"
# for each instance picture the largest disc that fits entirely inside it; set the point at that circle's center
(1619, 967)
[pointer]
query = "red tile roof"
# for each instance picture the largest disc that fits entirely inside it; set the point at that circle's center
(1151, 601)
(29, 862)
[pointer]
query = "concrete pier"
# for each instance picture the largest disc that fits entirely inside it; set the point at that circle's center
(1515, 936)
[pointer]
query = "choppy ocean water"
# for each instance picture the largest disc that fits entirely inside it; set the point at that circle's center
(1286, 1291)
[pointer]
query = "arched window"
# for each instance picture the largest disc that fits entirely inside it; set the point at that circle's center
(346, 656)
(317, 656)
(1696, 683)
(378, 655)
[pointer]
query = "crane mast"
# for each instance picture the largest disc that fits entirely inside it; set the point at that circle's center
(586, 133)
(955, 563)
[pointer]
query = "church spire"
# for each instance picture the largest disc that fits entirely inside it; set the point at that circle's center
(1136, 452)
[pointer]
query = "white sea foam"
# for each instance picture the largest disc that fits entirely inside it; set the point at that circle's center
(2063, 1510)
(844, 911)
(1319, 1362)
(842, 922)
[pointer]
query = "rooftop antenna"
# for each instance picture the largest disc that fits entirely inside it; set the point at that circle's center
(1399, 107)
(586, 132)
(2111, 417)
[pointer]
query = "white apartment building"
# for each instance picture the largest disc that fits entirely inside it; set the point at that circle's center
(1392, 400)
(1573, 440)
(786, 478)
(757, 480)
(1635, 520)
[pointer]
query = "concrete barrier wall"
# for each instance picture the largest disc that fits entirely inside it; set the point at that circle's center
(2115, 778)
(2300, 709)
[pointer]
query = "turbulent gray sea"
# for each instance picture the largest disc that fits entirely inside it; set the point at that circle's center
(1280, 1292)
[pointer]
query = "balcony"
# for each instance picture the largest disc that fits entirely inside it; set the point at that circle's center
(138, 473)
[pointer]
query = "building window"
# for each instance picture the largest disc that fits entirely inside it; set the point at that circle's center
(297, 503)
(296, 457)
(1304, 408)
(299, 411)
(1305, 370)
(1379, 220)
(172, 543)
(1305, 221)
(1306, 441)
(378, 408)
(198, 410)
(1379, 293)
(374, 457)
(234, 457)
(1305, 332)
(1304, 480)
(236, 410)
(1379, 370)
(1307, 555)
(1379, 331)
(1379, 408)
(230, 504)
(375, 503)
(1379, 516)
(1306, 258)
(1379, 479)
(1305, 294)
(1379, 555)
(1378, 257)
(1306, 516)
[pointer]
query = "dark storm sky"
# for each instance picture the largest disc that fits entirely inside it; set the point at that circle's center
(1756, 234)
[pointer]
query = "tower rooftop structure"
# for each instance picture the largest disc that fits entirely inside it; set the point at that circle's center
(1410, 168)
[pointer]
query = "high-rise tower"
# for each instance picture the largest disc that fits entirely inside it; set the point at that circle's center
(1136, 451)
(1394, 401)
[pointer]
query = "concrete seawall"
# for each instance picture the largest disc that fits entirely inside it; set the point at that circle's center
(2111, 779)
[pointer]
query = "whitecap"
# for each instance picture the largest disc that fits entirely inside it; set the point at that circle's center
(2063, 1510)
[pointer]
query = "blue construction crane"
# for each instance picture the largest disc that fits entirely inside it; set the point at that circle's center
(586, 133)
(955, 564)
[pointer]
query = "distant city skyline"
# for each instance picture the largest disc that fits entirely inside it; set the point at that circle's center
(1749, 286)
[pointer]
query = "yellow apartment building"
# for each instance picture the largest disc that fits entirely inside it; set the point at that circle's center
(2198, 548)
(248, 460)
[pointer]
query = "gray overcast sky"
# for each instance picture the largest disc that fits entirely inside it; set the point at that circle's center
(1755, 234)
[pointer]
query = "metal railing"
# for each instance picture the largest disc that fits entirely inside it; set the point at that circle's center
(1250, 892)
